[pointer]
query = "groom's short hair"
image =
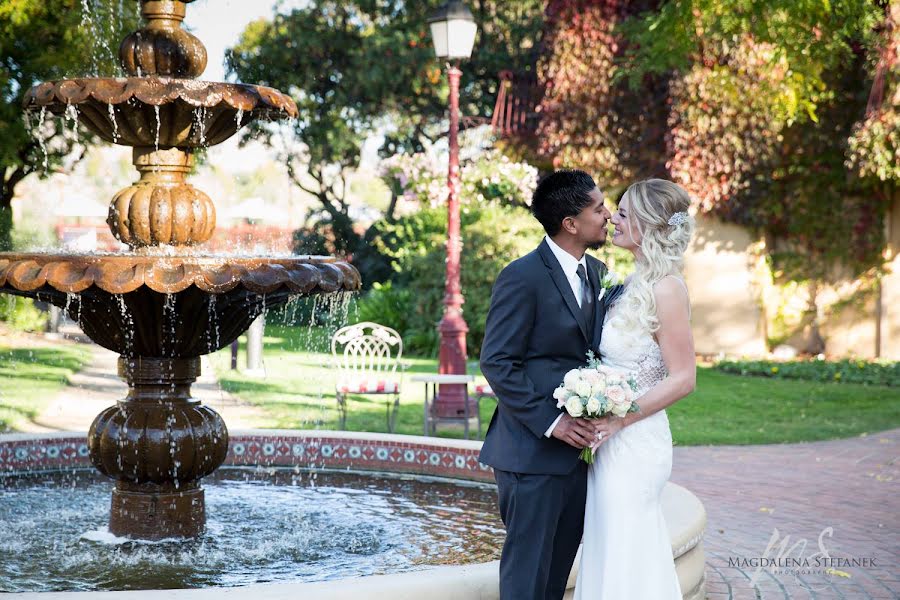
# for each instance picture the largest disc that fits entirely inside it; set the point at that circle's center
(561, 194)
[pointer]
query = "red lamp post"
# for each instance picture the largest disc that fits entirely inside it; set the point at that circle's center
(453, 32)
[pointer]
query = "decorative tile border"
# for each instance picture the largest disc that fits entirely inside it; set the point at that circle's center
(391, 455)
(43, 454)
(367, 452)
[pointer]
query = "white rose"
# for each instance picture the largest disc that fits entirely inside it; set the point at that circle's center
(599, 388)
(572, 378)
(561, 394)
(583, 389)
(574, 407)
(593, 407)
(620, 410)
(615, 394)
(614, 379)
(592, 376)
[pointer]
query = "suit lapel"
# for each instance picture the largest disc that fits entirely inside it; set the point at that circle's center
(562, 284)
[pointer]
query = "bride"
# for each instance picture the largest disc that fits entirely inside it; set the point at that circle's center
(626, 551)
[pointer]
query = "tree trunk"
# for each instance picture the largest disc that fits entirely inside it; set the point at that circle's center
(6, 225)
(813, 342)
(11, 176)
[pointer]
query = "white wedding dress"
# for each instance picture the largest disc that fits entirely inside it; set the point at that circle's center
(627, 553)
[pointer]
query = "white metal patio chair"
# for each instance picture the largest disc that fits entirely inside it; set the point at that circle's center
(367, 356)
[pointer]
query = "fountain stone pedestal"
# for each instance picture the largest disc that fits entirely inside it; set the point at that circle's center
(157, 443)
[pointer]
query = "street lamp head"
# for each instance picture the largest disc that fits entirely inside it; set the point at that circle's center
(453, 30)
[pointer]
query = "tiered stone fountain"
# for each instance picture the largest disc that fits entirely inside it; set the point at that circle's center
(164, 304)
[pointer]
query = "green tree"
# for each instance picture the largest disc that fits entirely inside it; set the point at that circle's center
(43, 40)
(589, 119)
(755, 117)
(764, 97)
(359, 66)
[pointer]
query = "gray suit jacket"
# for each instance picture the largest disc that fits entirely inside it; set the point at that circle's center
(534, 334)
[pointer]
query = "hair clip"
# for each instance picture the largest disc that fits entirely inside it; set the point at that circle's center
(678, 218)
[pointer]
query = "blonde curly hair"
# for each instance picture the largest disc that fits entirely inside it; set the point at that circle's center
(658, 209)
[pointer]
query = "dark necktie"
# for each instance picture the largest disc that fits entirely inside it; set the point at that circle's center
(587, 304)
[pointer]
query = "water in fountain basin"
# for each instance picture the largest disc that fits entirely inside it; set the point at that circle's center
(264, 525)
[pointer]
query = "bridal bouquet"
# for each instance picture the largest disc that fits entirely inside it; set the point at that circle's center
(596, 391)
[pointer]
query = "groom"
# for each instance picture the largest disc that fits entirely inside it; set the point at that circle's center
(544, 317)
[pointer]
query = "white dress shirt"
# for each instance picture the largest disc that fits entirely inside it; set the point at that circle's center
(569, 266)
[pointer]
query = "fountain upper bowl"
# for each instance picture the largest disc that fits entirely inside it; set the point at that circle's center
(160, 111)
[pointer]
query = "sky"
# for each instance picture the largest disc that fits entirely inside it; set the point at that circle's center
(218, 24)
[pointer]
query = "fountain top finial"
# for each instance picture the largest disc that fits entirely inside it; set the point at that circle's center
(162, 47)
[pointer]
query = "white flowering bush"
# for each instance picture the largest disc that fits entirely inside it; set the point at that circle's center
(491, 176)
(415, 177)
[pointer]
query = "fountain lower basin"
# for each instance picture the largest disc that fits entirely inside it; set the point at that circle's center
(446, 462)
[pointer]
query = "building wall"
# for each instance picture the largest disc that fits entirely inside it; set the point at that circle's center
(890, 296)
(725, 308)
(728, 294)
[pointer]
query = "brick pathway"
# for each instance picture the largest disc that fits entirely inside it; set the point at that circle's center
(799, 489)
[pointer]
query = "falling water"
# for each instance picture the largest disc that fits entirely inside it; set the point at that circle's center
(173, 447)
(158, 128)
(238, 117)
(42, 118)
(78, 307)
(128, 324)
(115, 124)
(213, 325)
(200, 123)
(71, 115)
(104, 32)
(170, 324)
(87, 22)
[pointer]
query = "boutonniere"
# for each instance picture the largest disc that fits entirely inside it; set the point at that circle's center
(608, 280)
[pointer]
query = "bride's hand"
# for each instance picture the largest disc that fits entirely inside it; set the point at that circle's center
(605, 428)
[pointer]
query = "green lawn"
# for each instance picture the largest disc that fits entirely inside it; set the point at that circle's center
(30, 378)
(298, 392)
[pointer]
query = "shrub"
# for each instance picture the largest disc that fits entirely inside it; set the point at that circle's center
(387, 305)
(21, 314)
(490, 176)
(493, 235)
(841, 371)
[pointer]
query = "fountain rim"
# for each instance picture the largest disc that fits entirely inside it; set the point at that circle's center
(167, 274)
(157, 91)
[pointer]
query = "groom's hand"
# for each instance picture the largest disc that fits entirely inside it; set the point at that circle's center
(578, 433)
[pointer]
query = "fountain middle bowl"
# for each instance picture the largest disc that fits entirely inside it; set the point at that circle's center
(169, 306)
